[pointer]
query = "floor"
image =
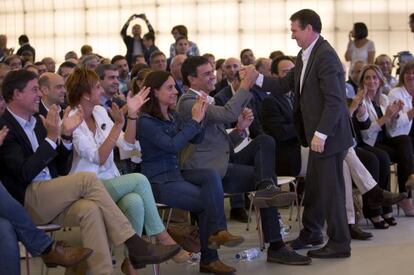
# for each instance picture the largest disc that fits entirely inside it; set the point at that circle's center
(390, 251)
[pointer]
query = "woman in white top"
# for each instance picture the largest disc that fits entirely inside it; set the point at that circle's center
(359, 47)
(94, 141)
(377, 117)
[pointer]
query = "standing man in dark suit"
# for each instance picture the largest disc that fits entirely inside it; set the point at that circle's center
(25, 46)
(134, 44)
(322, 121)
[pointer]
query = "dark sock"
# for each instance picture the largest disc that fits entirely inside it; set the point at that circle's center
(48, 249)
(276, 245)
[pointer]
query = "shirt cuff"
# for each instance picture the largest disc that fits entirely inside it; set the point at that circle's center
(320, 135)
(52, 143)
(259, 80)
(363, 118)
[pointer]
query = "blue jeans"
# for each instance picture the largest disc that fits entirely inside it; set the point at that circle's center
(16, 225)
(200, 192)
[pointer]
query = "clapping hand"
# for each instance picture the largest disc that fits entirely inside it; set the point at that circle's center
(117, 115)
(70, 123)
(3, 134)
(135, 102)
(52, 123)
(199, 109)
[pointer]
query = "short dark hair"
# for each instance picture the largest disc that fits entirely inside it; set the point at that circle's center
(219, 62)
(181, 29)
(149, 36)
(411, 17)
(66, 64)
(308, 17)
(154, 80)
(135, 57)
(100, 70)
(190, 66)
(244, 51)
(275, 63)
(155, 54)
(39, 63)
(116, 58)
(16, 80)
(275, 54)
(23, 39)
(137, 68)
(360, 30)
(181, 38)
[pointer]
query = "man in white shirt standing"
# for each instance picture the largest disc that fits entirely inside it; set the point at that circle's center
(322, 122)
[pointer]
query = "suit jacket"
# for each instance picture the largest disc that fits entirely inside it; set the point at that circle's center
(214, 150)
(43, 111)
(255, 128)
(20, 165)
(277, 121)
(27, 47)
(219, 86)
(320, 106)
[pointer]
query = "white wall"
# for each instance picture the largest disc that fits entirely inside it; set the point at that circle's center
(221, 27)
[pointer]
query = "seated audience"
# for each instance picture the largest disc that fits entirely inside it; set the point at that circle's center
(248, 170)
(158, 61)
(376, 118)
(32, 160)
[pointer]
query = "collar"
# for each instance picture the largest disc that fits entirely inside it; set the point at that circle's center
(306, 52)
(24, 123)
(47, 109)
(103, 99)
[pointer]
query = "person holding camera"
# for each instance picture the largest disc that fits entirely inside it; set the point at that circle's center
(134, 43)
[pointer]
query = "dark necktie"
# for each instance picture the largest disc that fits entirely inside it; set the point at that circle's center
(108, 103)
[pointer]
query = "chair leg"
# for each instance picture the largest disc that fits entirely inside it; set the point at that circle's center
(27, 261)
(299, 210)
(259, 228)
(250, 212)
(155, 267)
(168, 218)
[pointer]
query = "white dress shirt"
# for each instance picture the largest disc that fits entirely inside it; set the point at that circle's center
(86, 146)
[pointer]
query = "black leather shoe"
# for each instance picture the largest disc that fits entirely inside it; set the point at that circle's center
(286, 255)
(271, 195)
(153, 254)
(303, 242)
(358, 234)
(328, 253)
(239, 214)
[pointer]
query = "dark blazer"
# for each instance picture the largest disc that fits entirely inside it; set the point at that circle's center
(219, 86)
(161, 141)
(43, 111)
(255, 128)
(129, 42)
(277, 121)
(319, 106)
(20, 165)
(27, 47)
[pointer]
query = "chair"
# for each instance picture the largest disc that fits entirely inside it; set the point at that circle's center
(280, 182)
(50, 229)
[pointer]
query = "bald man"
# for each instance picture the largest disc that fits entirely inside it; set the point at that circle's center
(175, 69)
(231, 67)
(52, 87)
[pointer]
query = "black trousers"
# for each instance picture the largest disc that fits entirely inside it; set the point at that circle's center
(325, 200)
(250, 167)
(378, 164)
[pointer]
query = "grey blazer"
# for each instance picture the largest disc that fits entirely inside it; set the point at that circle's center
(321, 105)
(214, 151)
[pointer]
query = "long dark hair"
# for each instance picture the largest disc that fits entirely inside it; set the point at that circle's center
(154, 80)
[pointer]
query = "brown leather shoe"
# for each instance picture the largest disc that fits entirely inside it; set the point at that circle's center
(65, 255)
(224, 238)
(186, 236)
(216, 267)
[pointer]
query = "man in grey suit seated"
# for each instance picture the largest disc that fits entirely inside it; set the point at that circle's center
(250, 169)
